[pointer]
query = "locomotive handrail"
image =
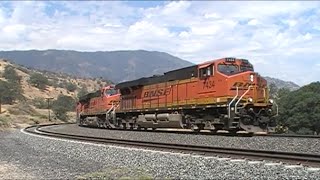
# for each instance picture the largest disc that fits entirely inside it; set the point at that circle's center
(229, 111)
(235, 106)
(110, 109)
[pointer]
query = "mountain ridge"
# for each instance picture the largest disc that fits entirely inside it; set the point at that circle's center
(282, 84)
(117, 66)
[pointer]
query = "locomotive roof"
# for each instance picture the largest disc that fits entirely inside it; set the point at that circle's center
(89, 96)
(178, 74)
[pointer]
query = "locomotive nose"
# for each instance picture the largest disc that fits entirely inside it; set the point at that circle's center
(255, 79)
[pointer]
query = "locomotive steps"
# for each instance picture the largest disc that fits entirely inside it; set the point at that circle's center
(288, 157)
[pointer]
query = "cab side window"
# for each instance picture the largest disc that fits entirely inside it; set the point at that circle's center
(206, 71)
(110, 92)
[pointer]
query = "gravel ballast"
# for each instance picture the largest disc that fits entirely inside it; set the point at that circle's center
(49, 158)
(301, 145)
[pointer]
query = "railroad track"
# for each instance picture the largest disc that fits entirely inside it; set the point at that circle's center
(216, 134)
(208, 133)
(288, 157)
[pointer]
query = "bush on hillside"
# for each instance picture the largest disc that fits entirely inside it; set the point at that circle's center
(71, 87)
(39, 81)
(4, 122)
(83, 91)
(40, 103)
(10, 92)
(23, 109)
(62, 105)
(11, 75)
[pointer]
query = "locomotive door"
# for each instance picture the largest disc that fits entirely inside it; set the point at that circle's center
(206, 83)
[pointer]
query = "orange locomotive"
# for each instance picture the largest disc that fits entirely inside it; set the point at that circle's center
(223, 94)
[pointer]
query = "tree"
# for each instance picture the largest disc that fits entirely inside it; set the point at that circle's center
(40, 103)
(38, 81)
(282, 92)
(11, 75)
(83, 91)
(62, 105)
(273, 90)
(71, 87)
(10, 92)
(300, 110)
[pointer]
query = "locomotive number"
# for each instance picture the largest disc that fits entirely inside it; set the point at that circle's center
(208, 84)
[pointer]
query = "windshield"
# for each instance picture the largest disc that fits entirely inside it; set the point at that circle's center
(228, 69)
(110, 92)
(244, 68)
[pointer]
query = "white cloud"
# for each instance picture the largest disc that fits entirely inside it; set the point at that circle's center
(275, 36)
(253, 22)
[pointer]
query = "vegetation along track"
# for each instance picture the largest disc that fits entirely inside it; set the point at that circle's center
(291, 157)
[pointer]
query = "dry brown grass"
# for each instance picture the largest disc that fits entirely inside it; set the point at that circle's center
(25, 114)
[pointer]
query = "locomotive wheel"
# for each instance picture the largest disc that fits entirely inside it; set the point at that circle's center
(233, 131)
(99, 124)
(80, 122)
(214, 131)
(139, 127)
(195, 128)
(104, 125)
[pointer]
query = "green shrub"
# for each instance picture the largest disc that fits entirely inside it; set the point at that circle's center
(71, 87)
(11, 75)
(4, 122)
(305, 131)
(39, 81)
(40, 103)
(10, 92)
(83, 91)
(62, 105)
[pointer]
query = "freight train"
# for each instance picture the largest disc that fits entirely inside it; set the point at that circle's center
(222, 94)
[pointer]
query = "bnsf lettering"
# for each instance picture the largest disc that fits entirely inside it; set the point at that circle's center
(158, 92)
(241, 84)
(113, 102)
(244, 85)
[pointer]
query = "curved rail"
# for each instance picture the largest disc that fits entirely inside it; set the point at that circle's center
(210, 133)
(302, 158)
(206, 133)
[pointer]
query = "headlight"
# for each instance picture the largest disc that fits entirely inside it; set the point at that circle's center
(250, 100)
(271, 101)
(251, 77)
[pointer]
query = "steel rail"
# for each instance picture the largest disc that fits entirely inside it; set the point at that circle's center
(206, 133)
(301, 158)
(215, 133)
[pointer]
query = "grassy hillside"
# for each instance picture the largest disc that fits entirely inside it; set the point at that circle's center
(23, 93)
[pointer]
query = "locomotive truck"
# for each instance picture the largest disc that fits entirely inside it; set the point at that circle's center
(223, 94)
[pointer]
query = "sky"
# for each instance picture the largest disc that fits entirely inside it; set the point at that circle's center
(281, 39)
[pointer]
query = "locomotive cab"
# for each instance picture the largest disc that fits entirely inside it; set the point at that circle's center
(109, 91)
(110, 96)
(250, 105)
(93, 106)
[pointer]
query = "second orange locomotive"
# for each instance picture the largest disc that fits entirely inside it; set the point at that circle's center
(223, 94)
